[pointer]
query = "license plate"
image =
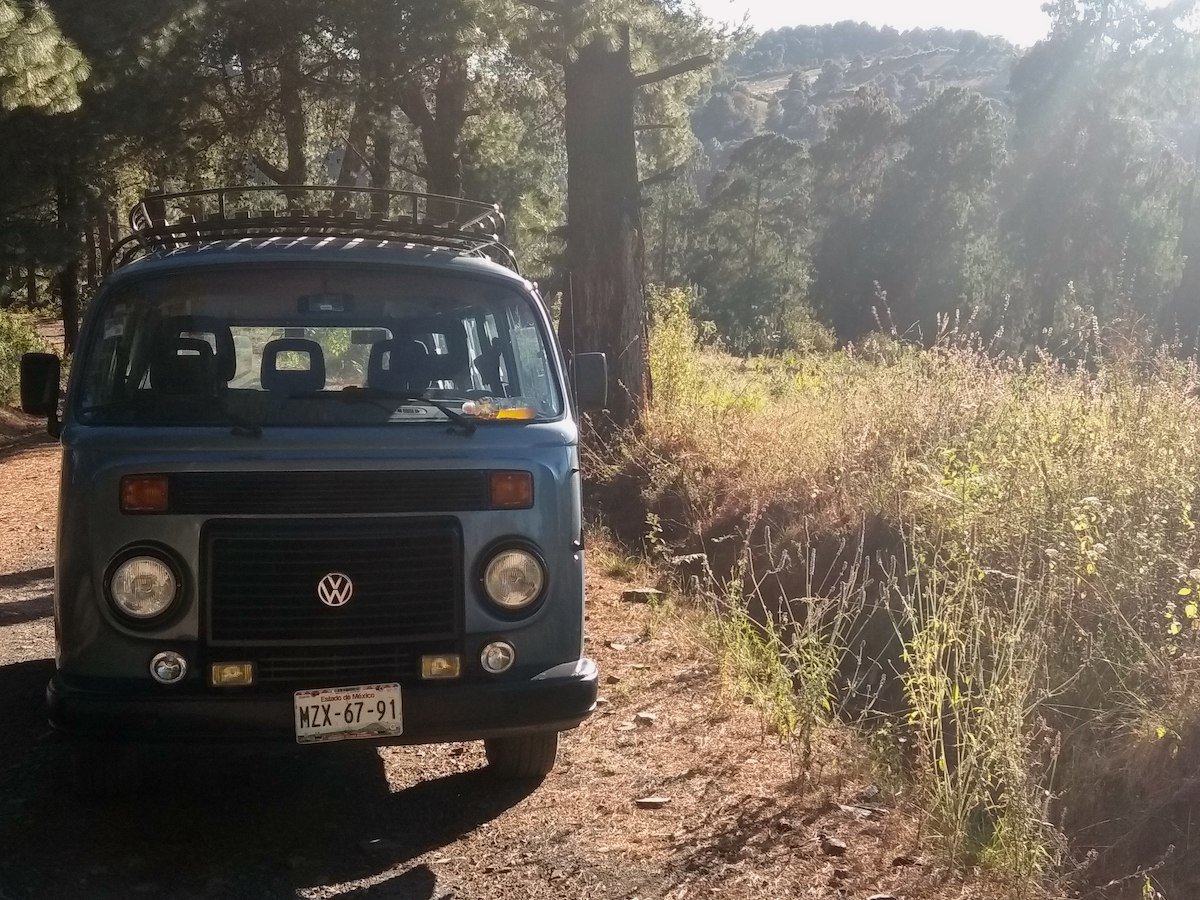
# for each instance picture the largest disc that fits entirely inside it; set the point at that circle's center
(348, 713)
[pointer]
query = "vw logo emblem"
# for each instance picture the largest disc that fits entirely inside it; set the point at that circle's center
(335, 589)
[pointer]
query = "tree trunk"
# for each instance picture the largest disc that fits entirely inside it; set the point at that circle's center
(605, 307)
(66, 205)
(104, 234)
(1185, 311)
(381, 163)
(354, 158)
(439, 126)
(291, 107)
(31, 286)
(93, 256)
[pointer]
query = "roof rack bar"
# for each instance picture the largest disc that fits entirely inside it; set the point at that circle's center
(162, 222)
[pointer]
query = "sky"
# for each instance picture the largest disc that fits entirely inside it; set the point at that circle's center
(1021, 21)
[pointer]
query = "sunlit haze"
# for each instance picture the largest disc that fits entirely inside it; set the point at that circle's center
(1021, 21)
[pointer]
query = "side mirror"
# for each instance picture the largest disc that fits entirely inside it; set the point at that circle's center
(589, 371)
(40, 373)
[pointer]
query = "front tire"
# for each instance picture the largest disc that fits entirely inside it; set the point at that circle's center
(525, 756)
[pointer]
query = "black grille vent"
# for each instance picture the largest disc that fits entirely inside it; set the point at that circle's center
(326, 493)
(263, 577)
(299, 668)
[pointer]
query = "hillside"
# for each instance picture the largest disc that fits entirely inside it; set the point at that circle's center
(790, 80)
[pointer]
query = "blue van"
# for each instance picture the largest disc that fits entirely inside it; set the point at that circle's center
(320, 482)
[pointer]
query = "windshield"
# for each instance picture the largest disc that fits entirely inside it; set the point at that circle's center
(289, 346)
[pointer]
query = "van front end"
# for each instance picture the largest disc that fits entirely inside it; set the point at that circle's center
(309, 574)
(318, 491)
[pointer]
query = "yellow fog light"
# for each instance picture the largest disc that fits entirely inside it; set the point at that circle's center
(232, 674)
(446, 665)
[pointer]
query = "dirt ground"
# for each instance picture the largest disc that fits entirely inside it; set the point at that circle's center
(427, 822)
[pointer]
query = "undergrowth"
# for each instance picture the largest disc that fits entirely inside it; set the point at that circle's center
(989, 563)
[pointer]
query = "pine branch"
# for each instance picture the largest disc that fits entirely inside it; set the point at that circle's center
(679, 68)
(660, 177)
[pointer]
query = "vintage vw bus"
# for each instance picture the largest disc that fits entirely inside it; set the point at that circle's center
(320, 482)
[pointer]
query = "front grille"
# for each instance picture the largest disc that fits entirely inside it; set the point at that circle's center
(326, 493)
(300, 668)
(262, 582)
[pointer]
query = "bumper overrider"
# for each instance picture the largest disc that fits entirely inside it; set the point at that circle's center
(555, 700)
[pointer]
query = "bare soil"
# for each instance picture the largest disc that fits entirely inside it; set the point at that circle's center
(740, 821)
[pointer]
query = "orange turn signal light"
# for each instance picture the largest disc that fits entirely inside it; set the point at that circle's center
(232, 674)
(511, 490)
(445, 665)
(144, 494)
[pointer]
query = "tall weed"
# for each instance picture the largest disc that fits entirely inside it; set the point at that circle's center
(1048, 613)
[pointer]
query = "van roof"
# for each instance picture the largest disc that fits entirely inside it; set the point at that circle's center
(319, 250)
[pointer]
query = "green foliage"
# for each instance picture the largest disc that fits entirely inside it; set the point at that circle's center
(39, 67)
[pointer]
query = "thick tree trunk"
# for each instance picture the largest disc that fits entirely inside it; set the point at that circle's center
(31, 286)
(605, 307)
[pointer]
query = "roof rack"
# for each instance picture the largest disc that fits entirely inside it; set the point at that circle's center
(161, 222)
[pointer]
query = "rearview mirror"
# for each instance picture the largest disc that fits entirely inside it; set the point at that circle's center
(589, 372)
(40, 374)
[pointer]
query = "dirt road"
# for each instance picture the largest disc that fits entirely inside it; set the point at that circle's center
(422, 823)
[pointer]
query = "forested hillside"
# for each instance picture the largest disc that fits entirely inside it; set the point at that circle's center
(880, 180)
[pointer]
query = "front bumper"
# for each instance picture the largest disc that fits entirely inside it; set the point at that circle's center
(556, 700)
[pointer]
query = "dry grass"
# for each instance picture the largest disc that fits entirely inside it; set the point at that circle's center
(1046, 560)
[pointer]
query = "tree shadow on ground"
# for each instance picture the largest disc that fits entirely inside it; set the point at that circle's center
(221, 823)
(25, 596)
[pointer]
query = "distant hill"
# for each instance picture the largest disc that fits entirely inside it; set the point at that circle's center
(790, 79)
(808, 46)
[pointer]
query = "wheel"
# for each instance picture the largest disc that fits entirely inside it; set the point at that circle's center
(104, 771)
(524, 756)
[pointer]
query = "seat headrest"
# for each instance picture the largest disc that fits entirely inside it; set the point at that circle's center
(399, 365)
(185, 366)
(292, 381)
(222, 339)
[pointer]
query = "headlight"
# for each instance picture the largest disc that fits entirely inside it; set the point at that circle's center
(143, 587)
(514, 579)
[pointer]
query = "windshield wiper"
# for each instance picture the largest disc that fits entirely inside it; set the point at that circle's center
(354, 394)
(118, 405)
(242, 426)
